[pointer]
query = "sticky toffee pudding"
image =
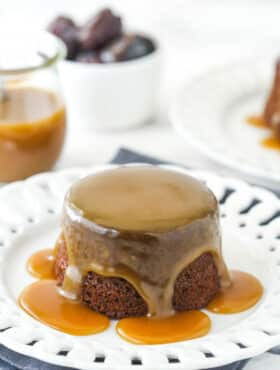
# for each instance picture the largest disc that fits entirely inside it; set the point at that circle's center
(140, 244)
(270, 117)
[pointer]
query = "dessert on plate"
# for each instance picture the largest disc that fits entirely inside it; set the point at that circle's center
(270, 117)
(140, 244)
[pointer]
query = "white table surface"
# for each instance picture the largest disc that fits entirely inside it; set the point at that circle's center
(196, 35)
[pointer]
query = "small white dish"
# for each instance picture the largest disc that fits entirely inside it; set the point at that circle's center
(210, 113)
(29, 221)
(111, 96)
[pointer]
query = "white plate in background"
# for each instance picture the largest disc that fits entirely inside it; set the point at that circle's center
(210, 113)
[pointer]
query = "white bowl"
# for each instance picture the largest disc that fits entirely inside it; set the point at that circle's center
(111, 96)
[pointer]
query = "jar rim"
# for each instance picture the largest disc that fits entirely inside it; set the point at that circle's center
(45, 61)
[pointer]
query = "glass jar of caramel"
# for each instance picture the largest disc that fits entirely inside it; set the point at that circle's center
(32, 112)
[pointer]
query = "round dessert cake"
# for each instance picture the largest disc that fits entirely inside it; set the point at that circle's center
(140, 240)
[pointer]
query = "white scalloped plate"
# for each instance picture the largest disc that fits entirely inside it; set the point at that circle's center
(29, 221)
(210, 113)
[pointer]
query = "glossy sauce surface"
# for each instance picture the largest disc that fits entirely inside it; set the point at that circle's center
(42, 301)
(32, 128)
(141, 198)
(243, 293)
(41, 264)
(181, 326)
(141, 223)
(151, 261)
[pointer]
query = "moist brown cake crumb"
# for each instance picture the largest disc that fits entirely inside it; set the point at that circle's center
(195, 286)
(114, 297)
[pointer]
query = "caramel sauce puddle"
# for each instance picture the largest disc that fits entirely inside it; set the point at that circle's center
(41, 264)
(42, 301)
(243, 293)
(270, 142)
(181, 326)
(257, 121)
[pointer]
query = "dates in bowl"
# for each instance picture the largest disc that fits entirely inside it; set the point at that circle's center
(101, 39)
(110, 77)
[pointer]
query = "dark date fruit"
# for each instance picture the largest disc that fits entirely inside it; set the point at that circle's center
(99, 30)
(61, 24)
(88, 57)
(100, 40)
(127, 47)
(70, 39)
(65, 28)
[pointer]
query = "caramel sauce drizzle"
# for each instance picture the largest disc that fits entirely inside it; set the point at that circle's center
(243, 293)
(144, 224)
(257, 121)
(43, 301)
(270, 142)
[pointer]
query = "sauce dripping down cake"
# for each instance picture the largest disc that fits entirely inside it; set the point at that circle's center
(140, 240)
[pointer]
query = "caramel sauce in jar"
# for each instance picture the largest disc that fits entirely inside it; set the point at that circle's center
(32, 130)
(42, 301)
(178, 327)
(41, 264)
(243, 293)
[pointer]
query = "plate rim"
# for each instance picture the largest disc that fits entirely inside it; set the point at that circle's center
(24, 349)
(177, 121)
